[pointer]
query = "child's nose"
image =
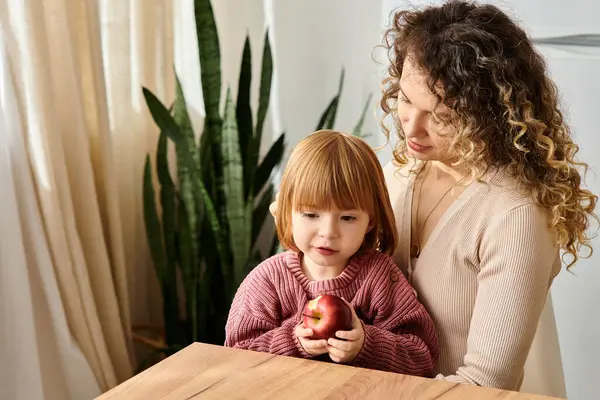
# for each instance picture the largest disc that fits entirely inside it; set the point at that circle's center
(328, 228)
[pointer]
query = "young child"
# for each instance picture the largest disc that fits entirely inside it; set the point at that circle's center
(335, 217)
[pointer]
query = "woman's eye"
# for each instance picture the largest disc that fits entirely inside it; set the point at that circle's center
(348, 218)
(403, 99)
(309, 215)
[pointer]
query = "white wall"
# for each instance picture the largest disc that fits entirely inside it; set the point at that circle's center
(577, 296)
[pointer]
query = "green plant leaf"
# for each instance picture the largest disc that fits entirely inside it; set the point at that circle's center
(358, 129)
(210, 67)
(260, 212)
(244, 114)
(327, 120)
(324, 120)
(162, 117)
(276, 246)
(254, 260)
(210, 57)
(153, 229)
(188, 167)
(169, 224)
(187, 268)
(271, 160)
(234, 191)
(220, 241)
(266, 79)
(168, 200)
(332, 117)
(182, 119)
(206, 160)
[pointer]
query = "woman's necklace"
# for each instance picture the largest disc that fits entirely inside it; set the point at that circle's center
(415, 248)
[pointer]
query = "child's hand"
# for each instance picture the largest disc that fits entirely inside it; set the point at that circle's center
(311, 346)
(344, 351)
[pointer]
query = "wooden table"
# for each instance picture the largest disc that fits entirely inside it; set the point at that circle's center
(202, 371)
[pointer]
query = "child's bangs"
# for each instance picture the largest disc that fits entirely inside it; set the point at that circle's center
(323, 187)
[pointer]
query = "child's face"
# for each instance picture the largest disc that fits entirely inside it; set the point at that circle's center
(329, 238)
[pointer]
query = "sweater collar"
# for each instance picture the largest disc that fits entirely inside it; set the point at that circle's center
(327, 285)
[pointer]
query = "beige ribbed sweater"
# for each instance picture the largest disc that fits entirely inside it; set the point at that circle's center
(483, 275)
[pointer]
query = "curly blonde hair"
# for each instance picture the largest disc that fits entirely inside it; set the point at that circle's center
(505, 107)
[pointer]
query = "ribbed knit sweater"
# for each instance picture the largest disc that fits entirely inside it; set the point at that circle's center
(399, 334)
(483, 275)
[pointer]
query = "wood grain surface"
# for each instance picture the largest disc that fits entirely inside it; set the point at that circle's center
(202, 371)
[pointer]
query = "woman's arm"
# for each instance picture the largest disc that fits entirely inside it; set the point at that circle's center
(518, 262)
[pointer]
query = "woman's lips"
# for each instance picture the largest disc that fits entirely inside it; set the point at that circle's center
(417, 147)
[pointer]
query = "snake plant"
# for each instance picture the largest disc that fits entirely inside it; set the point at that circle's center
(213, 213)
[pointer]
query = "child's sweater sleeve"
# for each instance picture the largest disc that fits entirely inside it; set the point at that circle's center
(401, 337)
(254, 321)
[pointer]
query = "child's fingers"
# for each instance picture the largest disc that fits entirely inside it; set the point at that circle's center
(354, 334)
(303, 332)
(311, 345)
(340, 344)
(336, 354)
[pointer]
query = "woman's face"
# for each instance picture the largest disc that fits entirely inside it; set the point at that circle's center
(427, 138)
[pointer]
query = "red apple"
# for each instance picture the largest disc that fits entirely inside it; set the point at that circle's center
(326, 315)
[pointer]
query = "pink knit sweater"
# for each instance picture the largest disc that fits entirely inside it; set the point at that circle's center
(399, 333)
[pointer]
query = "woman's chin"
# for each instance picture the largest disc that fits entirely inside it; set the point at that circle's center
(422, 155)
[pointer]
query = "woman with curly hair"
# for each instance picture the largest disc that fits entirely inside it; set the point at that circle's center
(484, 184)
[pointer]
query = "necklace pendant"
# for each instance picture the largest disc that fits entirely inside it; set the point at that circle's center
(415, 250)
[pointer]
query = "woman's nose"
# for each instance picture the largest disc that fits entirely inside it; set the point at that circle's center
(413, 127)
(413, 123)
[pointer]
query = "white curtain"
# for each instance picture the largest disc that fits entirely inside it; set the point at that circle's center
(75, 275)
(40, 359)
(74, 131)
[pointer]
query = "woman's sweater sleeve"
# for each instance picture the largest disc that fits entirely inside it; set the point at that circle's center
(517, 262)
(401, 337)
(254, 321)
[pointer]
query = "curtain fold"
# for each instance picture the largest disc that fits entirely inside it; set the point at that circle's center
(75, 272)
(77, 68)
(41, 358)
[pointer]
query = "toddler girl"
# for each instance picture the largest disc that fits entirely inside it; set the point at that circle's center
(335, 217)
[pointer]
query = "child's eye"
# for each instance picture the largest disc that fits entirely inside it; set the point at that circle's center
(348, 218)
(309, 215)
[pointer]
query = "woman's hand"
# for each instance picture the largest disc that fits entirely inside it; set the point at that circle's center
(311, 346)
(350, 343)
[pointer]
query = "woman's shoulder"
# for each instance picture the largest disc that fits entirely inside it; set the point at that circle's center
(502, 193)
(503, 203)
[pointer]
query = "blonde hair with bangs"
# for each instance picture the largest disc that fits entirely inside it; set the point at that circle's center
(331, 169)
